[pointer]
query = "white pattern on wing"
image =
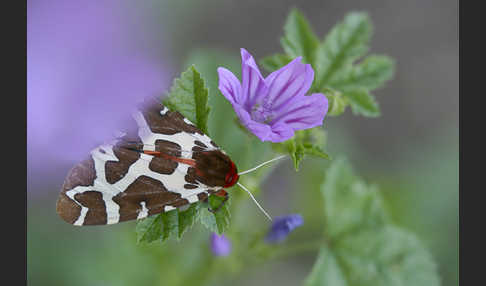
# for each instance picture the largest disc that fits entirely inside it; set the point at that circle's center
(169, 208)
(82, 216)
(193, 199)
(188, 121)
(164, 111)
(144, 212)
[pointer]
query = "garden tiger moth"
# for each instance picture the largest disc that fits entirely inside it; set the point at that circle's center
(165, 164)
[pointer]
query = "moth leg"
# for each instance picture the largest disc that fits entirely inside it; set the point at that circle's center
(220, 193)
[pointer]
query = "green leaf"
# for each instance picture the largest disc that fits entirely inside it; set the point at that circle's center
(362, 102)
(272, 63)
(170, 224)
(346, 42)
(299, 39)
(189, 96)
(337, 103)
(159, 228)
(216, 221)
(296, 151)
(386, 256)
(326, 271)
(362, 246)
(316, 151)
(290, 147)
(187, 218)
(304, 142)
(348, 202)
(149, 229)
(370, 74)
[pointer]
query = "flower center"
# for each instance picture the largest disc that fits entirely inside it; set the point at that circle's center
(261, 114)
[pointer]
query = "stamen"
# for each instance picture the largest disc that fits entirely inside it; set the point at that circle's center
(253, 198)
(262, 164)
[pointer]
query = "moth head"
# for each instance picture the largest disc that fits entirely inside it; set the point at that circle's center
(231, 177)
(214, 168)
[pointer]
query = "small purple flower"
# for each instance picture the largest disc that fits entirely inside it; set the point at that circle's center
(282, 226)
(220, 245)
(273, 108)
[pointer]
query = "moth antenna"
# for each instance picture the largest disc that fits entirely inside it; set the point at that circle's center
(262, 164)
(253, 198)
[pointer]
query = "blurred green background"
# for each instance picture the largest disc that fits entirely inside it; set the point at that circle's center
(411, 151)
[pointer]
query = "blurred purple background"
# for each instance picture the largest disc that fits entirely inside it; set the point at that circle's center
(88, 63)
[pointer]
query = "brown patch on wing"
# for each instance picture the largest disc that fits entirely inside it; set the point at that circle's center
(168, 147)
(93, 200)
(191, 175)
(196, 149)
(202, 196)
(190, 186)
(199, 143)
(144, 189)
(179, 203)
(131, 145)
(116, 170)
(171, 122)
(214, 144)
(83, 174)
(67, 209)
(164, 165)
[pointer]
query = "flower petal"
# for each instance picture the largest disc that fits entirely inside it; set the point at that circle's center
(303, 112)
(262, 131)
(229, 85)
(281, 132)
(220, 245)
(253, 83)
(282, 226)
(292, 80)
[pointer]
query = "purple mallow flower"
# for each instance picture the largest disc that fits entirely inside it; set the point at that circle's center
(220, 245)
(282, 226)
(273, 108)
